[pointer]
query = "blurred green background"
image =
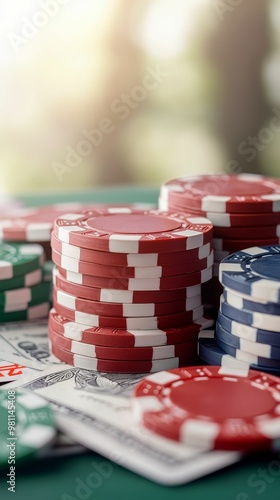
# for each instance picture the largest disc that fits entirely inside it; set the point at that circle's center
(135, 92)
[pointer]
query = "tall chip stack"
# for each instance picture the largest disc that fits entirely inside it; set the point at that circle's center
(127, 289)
(248, 323)
(244, 210)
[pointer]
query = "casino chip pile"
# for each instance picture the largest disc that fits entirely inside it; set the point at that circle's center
(248, 323)
(244, 210)
(127, 289)
(24, 293)
(213, 408)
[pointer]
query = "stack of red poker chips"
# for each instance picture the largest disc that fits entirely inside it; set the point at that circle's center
(127, 288)
(244, 210)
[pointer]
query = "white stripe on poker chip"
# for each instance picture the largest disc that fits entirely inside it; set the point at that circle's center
(255, 251)
(74, 277)
(256, 348)
(73, 331)
(204, 251)
(214, 203)
(19, 296)
(244, 331)
(208, 432)
(86, 318)
(194, 239)
(20, 306)
(39, 231)
(233, 366)
(141, 338)
(219, 219)
(31, 249)
(270, 429)
(38, 311)
(116, 242)
(163, 205)
(33, 278)
(144, 309)
(143, 284)
(107, 295)
(69, 263)
(66, 300)
(234, 300)
(137, 260)
(266, 289)
(66, 249)
(6, 270)
(119, 210)
(64, 232)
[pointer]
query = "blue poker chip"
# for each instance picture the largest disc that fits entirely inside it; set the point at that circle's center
(247, 357)
(242, 301)
(254, 271)
(259, 349)
(212, 354)
(248, 332)
(257, 320)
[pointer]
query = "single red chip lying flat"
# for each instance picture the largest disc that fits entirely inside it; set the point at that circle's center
(125, 230)
(211, 407)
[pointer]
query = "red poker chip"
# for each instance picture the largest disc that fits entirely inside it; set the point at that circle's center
(240, 233)
(35, 224)
(135, 323)
(117, 366)
(134, 284)
(131, 260)
(232, 220)
(123, 296)
(238, 245)
(129, 353)
(124, 310)
(244, 193)
(211, 407)
(113, 337)
(82, 267)
(133, 231)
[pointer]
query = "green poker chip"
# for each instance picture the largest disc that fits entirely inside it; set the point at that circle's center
(37, 311)
(18, 259)
(22, 298)
(26, 425)
(23, 281)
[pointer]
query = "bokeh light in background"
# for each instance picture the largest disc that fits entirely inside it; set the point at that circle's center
(164, 88)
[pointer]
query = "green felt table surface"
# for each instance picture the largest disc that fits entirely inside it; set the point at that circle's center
(257, 476)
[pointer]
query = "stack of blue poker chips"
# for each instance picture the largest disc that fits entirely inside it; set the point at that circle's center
(248, 321)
